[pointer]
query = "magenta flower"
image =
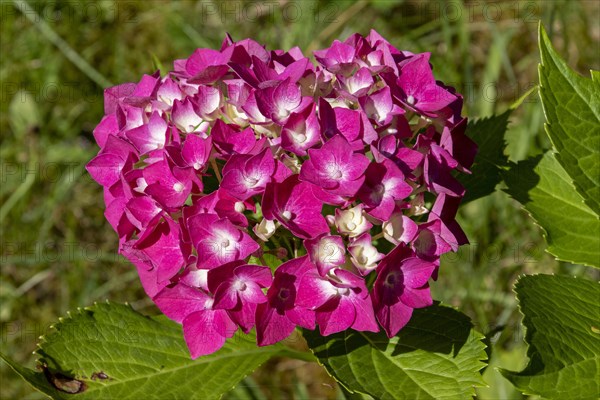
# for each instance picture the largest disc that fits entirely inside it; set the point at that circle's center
(437, 167)
(162, 246)
(207, 102)
(245, 175)
(358, 84)
(401, 286)
(196, 151)
(229, 207)
(108, 127)
(461, 147)
(335, 167)
(295, 206)
(339, 58)
(353, 125)
(418, 87)
(167, 184)
(205, 329)
(399, 228)
(185, 117)
(391, 147)
(277, 318)
(380, 107)
(114, 96)
(301, 132)
(238, 289)
(428, 243)
(146, 270)
(168, 92)
(150, 136)
(207, 66)
(384, 185)
(116, 157)
(143, 211)
(444, 209)
(218, 241)
(326, 252)
(230, 140)
(341, 301)
(242, 152)
(278, 101)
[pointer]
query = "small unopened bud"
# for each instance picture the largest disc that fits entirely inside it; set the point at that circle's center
(364, 255)
(239, 206)
(292, 163)
(417, 206)
(258, 253)
(352, 222)
(281, 253)
(265, 229)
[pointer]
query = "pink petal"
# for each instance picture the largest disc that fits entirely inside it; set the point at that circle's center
(271, 326)
(365, 316)
(416, 272)
(203, 332)
(336, 317)
(417, 298)
(179, 301)
(394, 317)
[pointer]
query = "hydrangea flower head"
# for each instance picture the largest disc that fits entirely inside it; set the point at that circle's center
(343, 170)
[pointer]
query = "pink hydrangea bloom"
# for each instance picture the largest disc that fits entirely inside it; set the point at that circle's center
(335, 167)
(242, 151)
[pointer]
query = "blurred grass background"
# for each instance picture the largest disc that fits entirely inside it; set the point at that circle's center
(58, 252)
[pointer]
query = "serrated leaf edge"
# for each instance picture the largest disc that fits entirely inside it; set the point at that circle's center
(544, 231)
(482, 361)
(506, 373)
(80, 310)
(547, 45)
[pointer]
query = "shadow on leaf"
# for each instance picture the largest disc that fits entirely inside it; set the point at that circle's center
(435, 329)
(521, 178)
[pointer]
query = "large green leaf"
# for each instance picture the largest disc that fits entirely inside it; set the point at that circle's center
(111, 351)
(572, 107)
(436, 356)
(571, 228)
(562, 316)
(488, 133)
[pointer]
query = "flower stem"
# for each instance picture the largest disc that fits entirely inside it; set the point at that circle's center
(215, 168)
(378, 236)
(263, 261)
(288, 244)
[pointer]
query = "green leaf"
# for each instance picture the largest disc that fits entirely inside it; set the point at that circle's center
(112, 351)
(572, 107)
(271, 261)
(571, 228)
(562, 319)
(437, 355)
(488, 133)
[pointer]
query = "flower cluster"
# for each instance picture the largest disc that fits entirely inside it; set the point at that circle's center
(344, 169)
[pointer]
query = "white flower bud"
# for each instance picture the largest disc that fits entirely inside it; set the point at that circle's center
(364, 255)
(352, 222)
(265, 229)
(292, 163)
